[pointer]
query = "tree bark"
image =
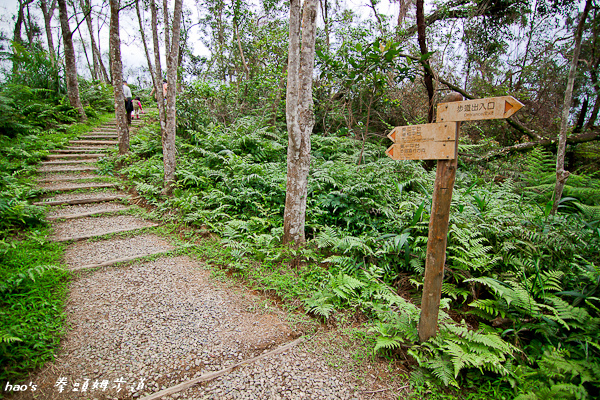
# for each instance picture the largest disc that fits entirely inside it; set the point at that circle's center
(300, 118)
(48, 14)
(117, 75)
(428, 77)
(148, 58)
(590, 135)
(561, 173)
(70, 61)
(96, 57)
(168, 137)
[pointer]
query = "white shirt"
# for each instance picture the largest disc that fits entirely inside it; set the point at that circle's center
(126, 91)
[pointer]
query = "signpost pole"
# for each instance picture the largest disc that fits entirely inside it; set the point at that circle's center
(436, 242)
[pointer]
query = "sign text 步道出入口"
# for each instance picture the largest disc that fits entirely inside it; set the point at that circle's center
(479, 109)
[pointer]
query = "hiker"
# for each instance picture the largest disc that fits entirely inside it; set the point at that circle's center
(128, 102)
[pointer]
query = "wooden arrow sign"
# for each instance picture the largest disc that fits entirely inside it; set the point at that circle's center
(479, 109)
(423, 142)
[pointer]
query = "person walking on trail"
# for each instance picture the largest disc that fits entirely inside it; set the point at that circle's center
(128, 103)
(137, 107)
(165, 86)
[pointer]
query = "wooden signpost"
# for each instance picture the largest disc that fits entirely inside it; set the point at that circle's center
(439, 141)
(423, 142)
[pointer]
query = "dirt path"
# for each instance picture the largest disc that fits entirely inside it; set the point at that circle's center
(143, 318)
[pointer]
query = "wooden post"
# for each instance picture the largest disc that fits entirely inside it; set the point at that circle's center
(436, 242)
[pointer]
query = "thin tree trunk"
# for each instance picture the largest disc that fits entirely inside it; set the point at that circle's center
(325, 13)
(158, 88)
(561, 173)
(117, 75)
(48, 14)
(28, 27)
(300, 118)
(428, 77)
(168, 138)
(155, 79)
(70, 61)
(86, 7)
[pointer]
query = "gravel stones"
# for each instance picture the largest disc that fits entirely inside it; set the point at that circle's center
(85, 253)
(97, 226)
(86, 195)
(164, 322)
(85, 208)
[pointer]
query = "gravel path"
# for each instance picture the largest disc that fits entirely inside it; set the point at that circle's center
(85, 195)
(85, 208)
(164, 322)
(139, 328)
(65, 167)
(85, 253)
(96, 226)
(74, 186)
(67, 175)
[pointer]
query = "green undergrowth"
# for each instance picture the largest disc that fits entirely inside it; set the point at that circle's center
(33, 283)
(32, 293)
(521, 287)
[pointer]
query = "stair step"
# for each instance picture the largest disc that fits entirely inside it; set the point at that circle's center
(60, 178)
(94, 141)
(77, 151)
(81, 201)
(68, 170)
(99, 137)
(80, 155)
(87, 160)
(88, 236)
(84, 186)
(88, 148)
(118, 260)
(87, 214)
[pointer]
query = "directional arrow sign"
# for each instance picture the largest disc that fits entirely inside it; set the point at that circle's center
(423, 142)
(474, 110)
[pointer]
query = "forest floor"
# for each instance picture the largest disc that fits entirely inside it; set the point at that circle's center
(144, 315)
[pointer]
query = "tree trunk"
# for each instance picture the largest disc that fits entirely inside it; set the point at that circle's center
(168, 137)
(428, 77)
(561, 173)
(117, 75)
(96, 58)
(300, 118)
(70, 61)
(48, 14)
(325, 13)
(155, 79)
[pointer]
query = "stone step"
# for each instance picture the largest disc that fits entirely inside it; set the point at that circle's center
(82, 186)
(76, 150)
(86, 160)
(99, 137)
(67, 169)
(118, 260)
(82, 200)
(87, 214)
(87, 148)
(80, 155)
(70, 178)
(94, 141)
(91, 233)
